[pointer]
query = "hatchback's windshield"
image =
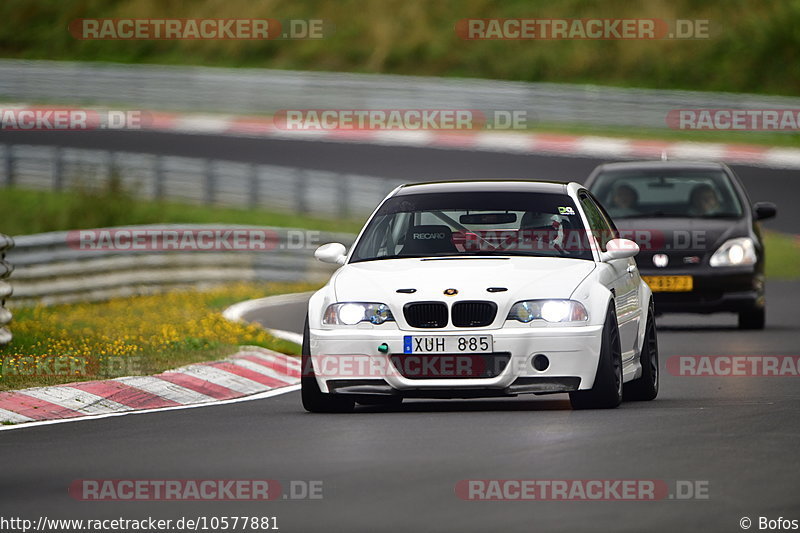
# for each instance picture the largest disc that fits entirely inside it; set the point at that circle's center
(667, 193)
(474, 223)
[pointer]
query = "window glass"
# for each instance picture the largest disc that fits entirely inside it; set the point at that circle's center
(598, 224)
(667, 193)
(474, 223)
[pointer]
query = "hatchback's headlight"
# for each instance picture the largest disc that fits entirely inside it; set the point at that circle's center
(735, 252)
(548, 310)
(351, 313)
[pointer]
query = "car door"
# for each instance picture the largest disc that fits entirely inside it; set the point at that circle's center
(623, 278)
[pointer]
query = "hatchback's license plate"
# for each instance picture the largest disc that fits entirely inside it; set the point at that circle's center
(448, 344)
(669, 283)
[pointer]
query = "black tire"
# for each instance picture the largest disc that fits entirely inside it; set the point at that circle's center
(314, 400)
(607, 390)
(753, 319)
(645, 388)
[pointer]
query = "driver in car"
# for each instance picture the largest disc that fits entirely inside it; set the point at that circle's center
(624, 201)
(542, 230)
(703, 200)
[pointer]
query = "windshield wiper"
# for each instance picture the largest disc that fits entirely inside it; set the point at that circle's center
(654, 214)
(719, 215)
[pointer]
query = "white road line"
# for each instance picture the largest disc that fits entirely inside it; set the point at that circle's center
(782, 158)
(77, 400)
(691, 150)
(504, 142)
(290, 336)
(202, 123)
(238, 310)
(165, 389)
(405, 138)
(604, 146)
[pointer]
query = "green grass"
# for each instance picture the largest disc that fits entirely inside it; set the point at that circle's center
(783, 256)
(753, 46)
(27, 211)
(140, 335)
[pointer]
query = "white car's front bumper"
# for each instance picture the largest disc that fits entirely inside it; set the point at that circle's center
(348, 361)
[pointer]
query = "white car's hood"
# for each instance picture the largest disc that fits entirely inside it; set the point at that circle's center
(523, 277)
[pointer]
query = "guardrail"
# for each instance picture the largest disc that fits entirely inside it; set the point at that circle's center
(261, 91)
(6, 268)
(54, 268)
(196, 180)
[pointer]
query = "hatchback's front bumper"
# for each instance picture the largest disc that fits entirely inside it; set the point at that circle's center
(714, 290)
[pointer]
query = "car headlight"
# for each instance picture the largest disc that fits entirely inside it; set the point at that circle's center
(351, 313)
(735, 252)
(548, 310)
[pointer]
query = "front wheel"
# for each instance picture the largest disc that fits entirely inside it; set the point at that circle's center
(645, 387)
(314, 400)
(607, 390)
(753, 319)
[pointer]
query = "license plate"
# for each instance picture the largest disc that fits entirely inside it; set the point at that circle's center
(669, 283)
(448, 344)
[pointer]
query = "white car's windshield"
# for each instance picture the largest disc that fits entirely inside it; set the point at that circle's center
(474, 223)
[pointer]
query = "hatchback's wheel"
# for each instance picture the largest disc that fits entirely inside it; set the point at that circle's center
(314, 400)
(646, 387)
(752, 319)
(607, 390)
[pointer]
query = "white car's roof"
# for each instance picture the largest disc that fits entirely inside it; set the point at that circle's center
(505, 185)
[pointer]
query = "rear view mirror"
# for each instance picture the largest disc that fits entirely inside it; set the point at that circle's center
(488, 218)
(619, 249)
(333, 252)
(764, 210)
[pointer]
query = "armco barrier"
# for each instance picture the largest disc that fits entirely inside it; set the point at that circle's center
(195, 180)
(53, 268)
(6, 268)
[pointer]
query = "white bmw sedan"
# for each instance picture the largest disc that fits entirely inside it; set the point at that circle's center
(481, 289)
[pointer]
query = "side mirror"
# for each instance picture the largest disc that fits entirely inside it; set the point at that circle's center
(619, 249)
(333, 252)
(764, 210)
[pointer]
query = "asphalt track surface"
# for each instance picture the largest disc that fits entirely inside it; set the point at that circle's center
(396, 469)
(781, 186)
